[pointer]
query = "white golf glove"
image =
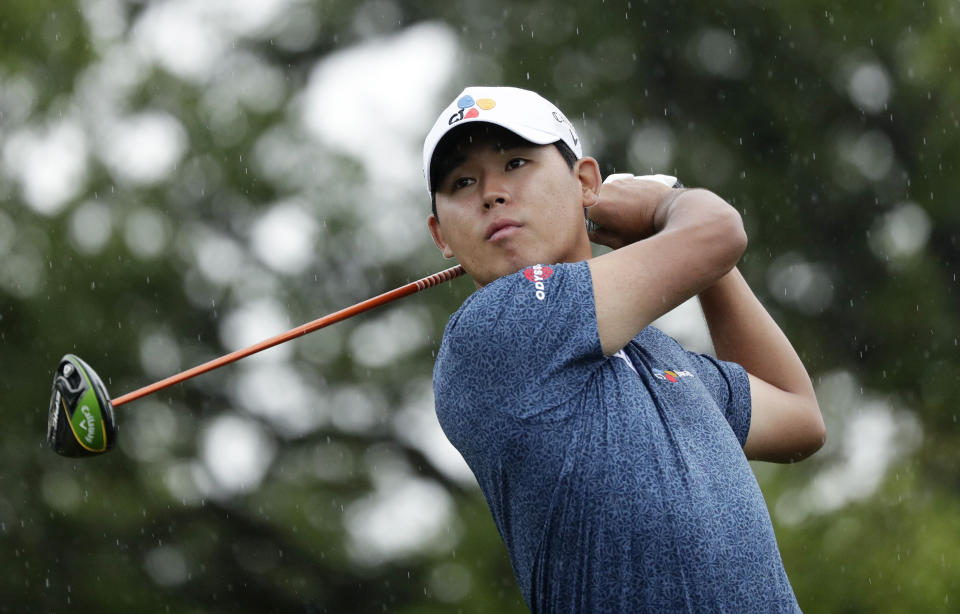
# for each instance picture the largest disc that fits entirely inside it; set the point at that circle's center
(666, 180)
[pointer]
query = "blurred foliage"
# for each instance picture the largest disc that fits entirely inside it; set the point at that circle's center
(832, 128)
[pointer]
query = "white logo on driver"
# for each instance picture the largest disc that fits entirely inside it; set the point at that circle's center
(88, 423)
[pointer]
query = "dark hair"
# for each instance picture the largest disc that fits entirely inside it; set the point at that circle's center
(446, 155)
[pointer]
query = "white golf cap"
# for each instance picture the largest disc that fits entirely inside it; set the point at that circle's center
(525, 113)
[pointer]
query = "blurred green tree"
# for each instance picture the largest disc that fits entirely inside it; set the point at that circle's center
(178, 179)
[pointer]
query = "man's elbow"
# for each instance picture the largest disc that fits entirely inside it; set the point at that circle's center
(812, 433)
(733, 236)
(717, 234)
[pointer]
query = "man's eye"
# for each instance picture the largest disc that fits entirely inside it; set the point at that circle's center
(462, 182)
(516, 163)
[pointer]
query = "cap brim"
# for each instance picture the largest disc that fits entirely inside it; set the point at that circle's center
(534, 135)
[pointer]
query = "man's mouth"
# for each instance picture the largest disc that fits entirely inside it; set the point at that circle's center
(501, 229)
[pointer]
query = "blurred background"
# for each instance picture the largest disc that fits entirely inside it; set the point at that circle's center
(179, 179)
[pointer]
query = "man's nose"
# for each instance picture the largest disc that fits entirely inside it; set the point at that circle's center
(495, 193)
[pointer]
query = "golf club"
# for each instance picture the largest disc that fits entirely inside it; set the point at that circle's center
(80, 419)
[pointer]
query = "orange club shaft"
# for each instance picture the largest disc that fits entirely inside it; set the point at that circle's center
(309, 327)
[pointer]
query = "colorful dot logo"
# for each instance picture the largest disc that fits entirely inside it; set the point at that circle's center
(468, 108)
(671, 376)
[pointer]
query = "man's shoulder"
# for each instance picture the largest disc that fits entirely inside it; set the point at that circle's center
(524, 292)
(521, 322)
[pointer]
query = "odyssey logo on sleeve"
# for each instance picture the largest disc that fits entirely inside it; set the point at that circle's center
(538, 274)
(468, 108)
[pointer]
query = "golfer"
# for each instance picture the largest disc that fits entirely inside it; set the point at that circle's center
(614, 461)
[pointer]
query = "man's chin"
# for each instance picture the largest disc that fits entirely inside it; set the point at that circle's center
(484, 277)
(507, 264)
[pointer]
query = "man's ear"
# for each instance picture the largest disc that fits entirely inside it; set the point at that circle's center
(437, 233)
(587, 171)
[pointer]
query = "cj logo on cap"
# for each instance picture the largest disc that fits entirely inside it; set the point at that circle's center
(468, 108)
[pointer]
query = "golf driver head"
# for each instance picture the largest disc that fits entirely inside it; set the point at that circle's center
(80, 421)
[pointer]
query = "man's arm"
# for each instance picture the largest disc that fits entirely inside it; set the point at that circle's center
(785, 422)
(669, 245)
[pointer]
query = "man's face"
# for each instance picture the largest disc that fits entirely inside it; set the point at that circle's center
(505, 206)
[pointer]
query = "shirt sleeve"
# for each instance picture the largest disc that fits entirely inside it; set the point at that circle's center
(728, 384)
(525, 343)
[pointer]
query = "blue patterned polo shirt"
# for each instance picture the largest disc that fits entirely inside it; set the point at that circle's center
(616, 486)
